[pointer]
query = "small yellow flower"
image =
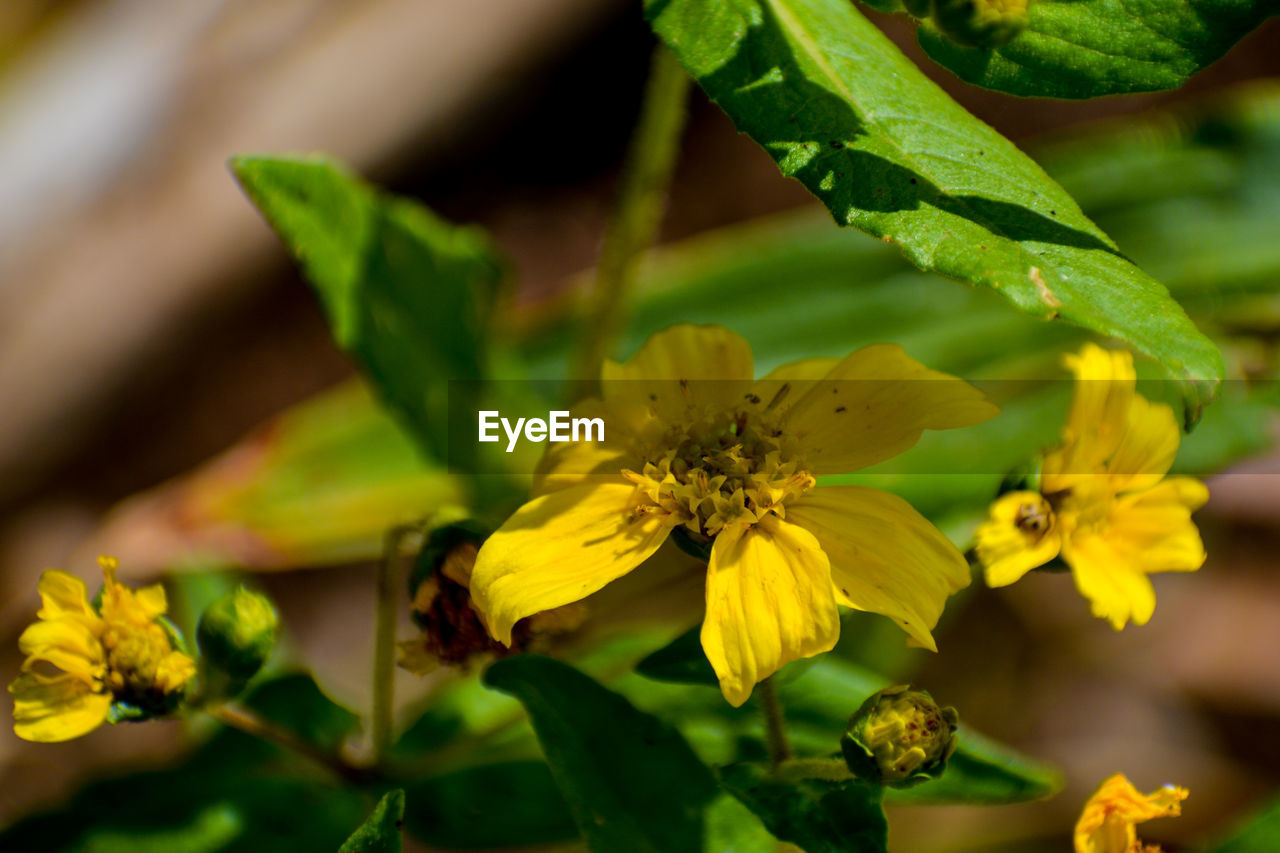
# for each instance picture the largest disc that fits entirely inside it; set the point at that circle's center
(81, 661)
(694, 444)
(1107, 823)
(1105, 505)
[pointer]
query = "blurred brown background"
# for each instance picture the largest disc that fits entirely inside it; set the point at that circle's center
(148, 319)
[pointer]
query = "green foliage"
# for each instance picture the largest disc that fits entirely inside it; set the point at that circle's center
(1258, 834)
(1089, 48)
(983, 772)
(818, 700)
(843, 111)
(631, 782)
(296, 703)
(820, 816)
(405, 292)
(506, 804)
(381, 832)
(234, 794)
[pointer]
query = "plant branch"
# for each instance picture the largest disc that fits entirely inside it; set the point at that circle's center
(250, 723)
(774, 728)
(637, 211)
(390, 580)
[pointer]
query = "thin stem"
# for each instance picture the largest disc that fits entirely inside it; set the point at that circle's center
(774, 729)
(390, 579)
(251, 724)
(637, 212)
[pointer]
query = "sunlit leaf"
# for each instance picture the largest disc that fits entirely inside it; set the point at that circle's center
(1088, 48)
(405, 292)
(843, 111)
(381, 833)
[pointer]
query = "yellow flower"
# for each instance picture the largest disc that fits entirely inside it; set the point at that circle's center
(1107, 823)
(694, 445)
(81, 662)
(1104, 505)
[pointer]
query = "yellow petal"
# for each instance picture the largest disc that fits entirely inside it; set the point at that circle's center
(62, 594)
(173, 672)
(572, 463)
(1099, 415)
(681, 366)
(1147, 449)
(67, 643)
(560, 548)
(1116, 587)
(48, 710)
(769, 602)
(873, 405)
(1107, 821)
(1007, 547)
(782, 387)
(1153, 529)
(885, 557)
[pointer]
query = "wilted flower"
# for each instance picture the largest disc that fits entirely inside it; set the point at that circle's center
(695, 447)
(1107, 823)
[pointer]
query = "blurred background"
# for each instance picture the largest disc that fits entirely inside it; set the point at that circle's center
(149, 321)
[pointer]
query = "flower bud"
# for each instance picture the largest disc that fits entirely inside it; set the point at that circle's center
(983, 24)
(236, 635)
(900, 737)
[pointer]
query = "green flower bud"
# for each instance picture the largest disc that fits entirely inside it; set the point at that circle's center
(900, 737)
(236, 635)
(983, 24)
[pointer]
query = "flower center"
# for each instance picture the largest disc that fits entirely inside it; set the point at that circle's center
(134, 656)
(722, 469)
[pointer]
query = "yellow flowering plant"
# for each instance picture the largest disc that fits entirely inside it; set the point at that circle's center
(699, 448)
(86, 665)
(1104, 504)
(702, 625)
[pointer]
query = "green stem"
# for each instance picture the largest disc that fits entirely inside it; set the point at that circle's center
(250, 723)
(390, 580)
(774, 727)
(637, 213)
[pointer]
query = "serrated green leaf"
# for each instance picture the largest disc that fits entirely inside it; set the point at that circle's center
(1088, 48)
(406, 293)
(508, 804)
(381, 833)
(632, 783)
(819, 816)
(843, 111)
(1258, 834)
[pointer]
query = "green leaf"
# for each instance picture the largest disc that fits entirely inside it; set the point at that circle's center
(381, 833)
(632, 783)
(1259, 834)
(1089, 48)
(405, 292)
(508, 804)
(819, 816)
(983, 772)
(294, 702)
(681, 661)
(734, 828)
(842, 110)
